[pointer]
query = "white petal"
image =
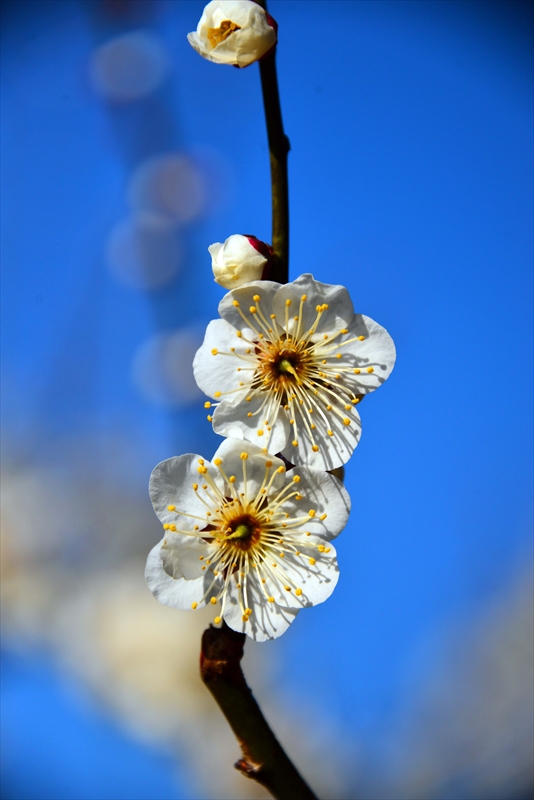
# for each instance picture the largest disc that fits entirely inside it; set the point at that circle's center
(313, 571)
(218, 372)
(184, 556)
(340, 309)
(177, 593)
(171, 483)
(335, 450)
(241, 47)
(268, 620)
(232, 464)
(237, 262)
(231, 415)
(324, 494)
(376, 350)
(245, 297)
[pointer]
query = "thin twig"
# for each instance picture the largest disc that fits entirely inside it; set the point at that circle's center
(264, 759)
(278, 149)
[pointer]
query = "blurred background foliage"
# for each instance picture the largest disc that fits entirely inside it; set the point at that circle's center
(124, 155)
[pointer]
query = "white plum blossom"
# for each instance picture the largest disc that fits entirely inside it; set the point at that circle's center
(241, 259)
(242, 533)
(236, 32)
(287, 366)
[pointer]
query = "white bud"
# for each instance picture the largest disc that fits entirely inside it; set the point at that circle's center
(236, 32)
(241, 259)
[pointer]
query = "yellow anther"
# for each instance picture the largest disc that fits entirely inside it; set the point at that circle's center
(346, 421)
(318, 309)
(304, 297)
(260, 433)
(344, 330)
(248, 611)
(273, 316)
(172, 527)
(270, 599)
(217, 462)
(298, 592)
(166, 526)
(329, 408)
(216, 394)
(288, 302)
(256, 298)
(338, 355)
(217, 620)
(202, 470)
(253, 309)
(323, 516)
(281, 469)
(361, 338)
(201, 558)
(308, 533)
(195, 487)
(330, 433)
(357, 371)
(327, 549)
(209, 418)
(312, 512)
(171, 508)
(312, 426)
(347, 408)
(324, 306)
(295, 443)
(268, 464)
(320, 548)
(213, 601)
(243, 456)
(214, 351)
(291, 421)
(201, 461)
(370, 369)
(287, 588)
(232, 478)
(239, 334)
(236, 303)
(312, 561)
(296, 478)
(248, 399)
(207, 404)
(337, 377)
(249, 413)
(298, 497)
(315, 447)
(356, 400)
(194, 605)
(296, 319)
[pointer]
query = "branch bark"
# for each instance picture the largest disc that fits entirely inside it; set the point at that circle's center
(278, 149)
(264, 758)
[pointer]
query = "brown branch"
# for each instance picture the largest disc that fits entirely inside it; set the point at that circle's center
(264, 758)
(278, 150)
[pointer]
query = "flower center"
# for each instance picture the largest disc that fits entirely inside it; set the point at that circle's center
(243, 532)
(218, 35)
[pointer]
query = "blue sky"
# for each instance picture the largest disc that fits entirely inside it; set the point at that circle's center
(410, 182)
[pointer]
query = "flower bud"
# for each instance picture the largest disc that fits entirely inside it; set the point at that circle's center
(236, 32)
(241, 259)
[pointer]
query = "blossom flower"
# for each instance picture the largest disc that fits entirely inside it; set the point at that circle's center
(236, 32)
(243, 532)
(241, 259)
(287, 366)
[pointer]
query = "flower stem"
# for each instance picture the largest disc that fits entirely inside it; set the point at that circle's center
(264, 759)
(278, 150)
